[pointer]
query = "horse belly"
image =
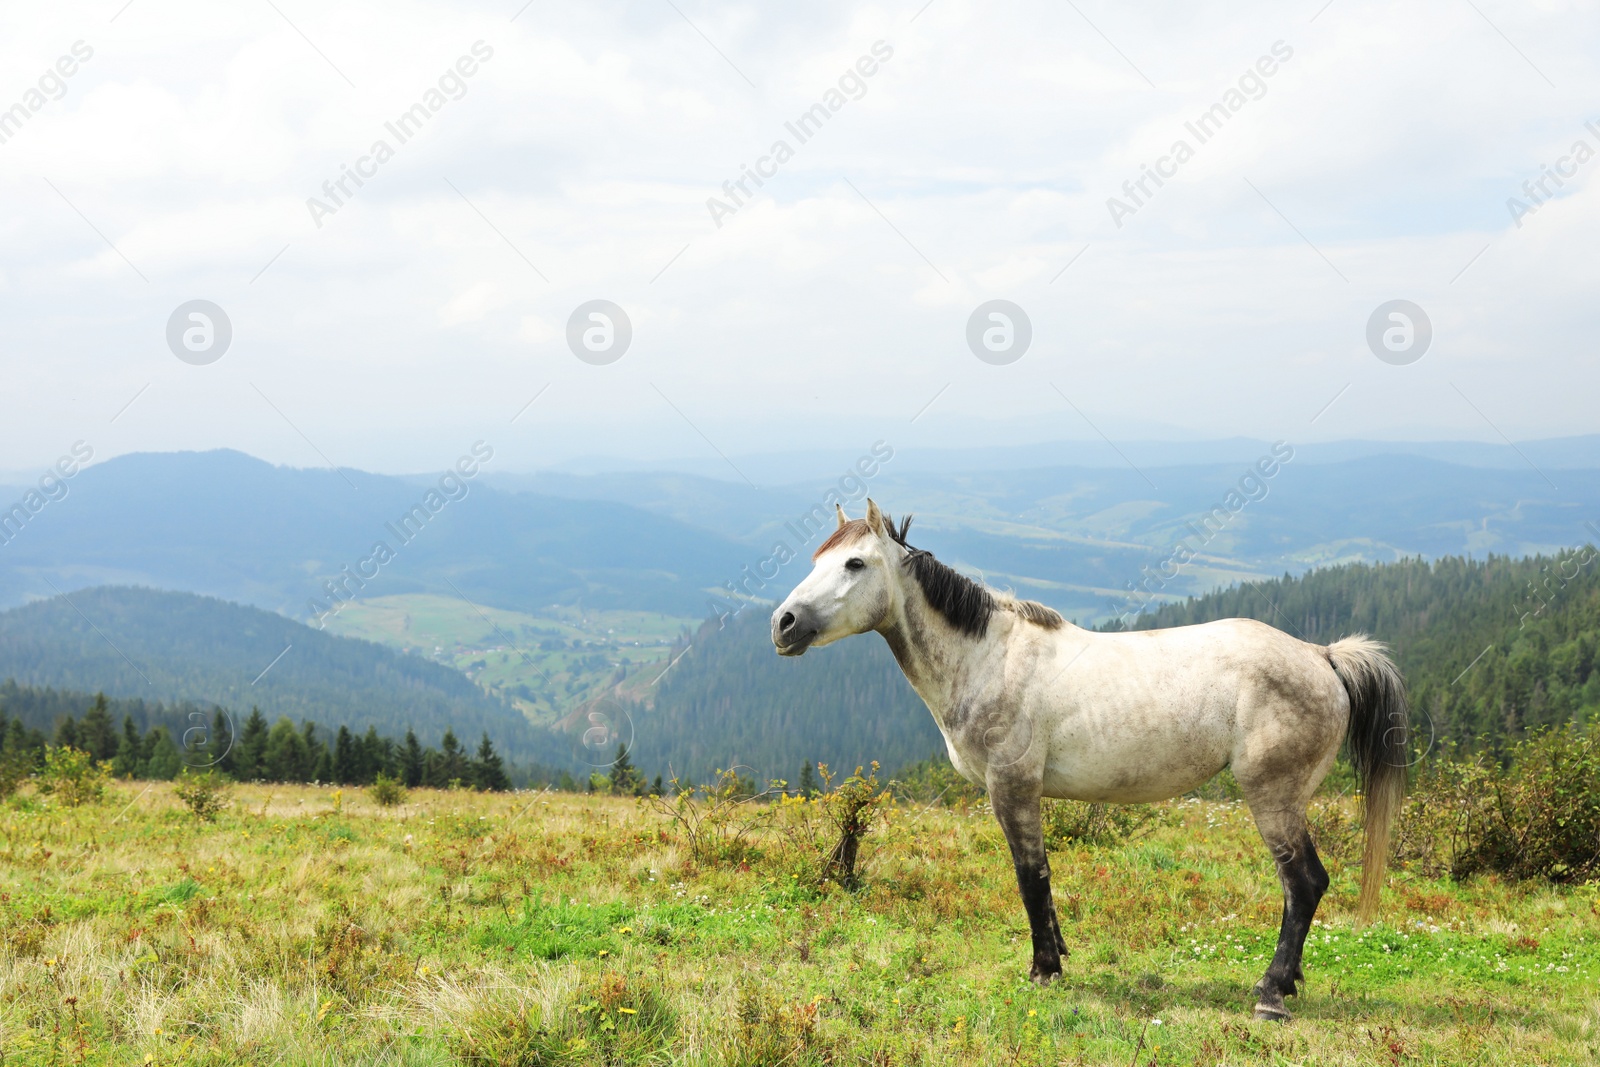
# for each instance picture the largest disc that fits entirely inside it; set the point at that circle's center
(1129, 765)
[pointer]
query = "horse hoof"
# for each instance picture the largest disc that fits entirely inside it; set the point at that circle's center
(1043, 976)
(1276, 1013)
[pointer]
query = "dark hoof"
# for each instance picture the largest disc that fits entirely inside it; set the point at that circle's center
(1269, 1004)
(1043, 975)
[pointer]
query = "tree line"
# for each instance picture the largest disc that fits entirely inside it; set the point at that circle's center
(281, 752)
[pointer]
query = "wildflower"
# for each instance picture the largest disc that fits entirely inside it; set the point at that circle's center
(605, 952)
(1155, 1022)
(1032, 1012)
(629, 1011)
(625, 930)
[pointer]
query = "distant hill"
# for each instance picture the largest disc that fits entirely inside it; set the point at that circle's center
(224, 524)
(1075, 536)
(162, 647)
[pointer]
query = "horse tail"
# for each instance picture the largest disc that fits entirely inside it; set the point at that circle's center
(1378, 735)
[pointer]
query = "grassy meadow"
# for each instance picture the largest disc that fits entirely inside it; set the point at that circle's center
(542, 662)
(307, 926)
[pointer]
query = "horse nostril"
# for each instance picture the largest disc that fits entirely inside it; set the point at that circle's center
(787, 622)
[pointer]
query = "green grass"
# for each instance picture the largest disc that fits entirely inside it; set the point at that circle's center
(554, 929)
(546, 664)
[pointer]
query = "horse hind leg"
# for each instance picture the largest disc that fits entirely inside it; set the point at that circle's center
(1304, 881)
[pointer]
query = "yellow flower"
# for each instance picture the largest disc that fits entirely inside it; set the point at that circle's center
(605, 952)
(625, 930)
(1032, 1013)
(629, 1011)
(51, 962)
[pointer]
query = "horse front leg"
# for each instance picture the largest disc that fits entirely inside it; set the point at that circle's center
(1016, 807)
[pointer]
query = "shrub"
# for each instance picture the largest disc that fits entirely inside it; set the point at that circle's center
(387, 792)
(1068, 822)
(853, 808)
(717, 821)
(826, 828)
(1540, 818)
(935, 780)
(204, 794)
(72, 776)
(1533, 814)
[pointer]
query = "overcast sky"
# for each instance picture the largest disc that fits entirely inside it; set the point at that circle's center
(392, 327)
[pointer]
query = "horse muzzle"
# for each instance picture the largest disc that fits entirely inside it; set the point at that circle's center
(792, 631)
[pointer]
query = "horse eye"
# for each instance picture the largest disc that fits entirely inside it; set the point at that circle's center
(855, 563)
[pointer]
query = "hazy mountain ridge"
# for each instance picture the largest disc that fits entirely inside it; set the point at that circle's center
(224, 524)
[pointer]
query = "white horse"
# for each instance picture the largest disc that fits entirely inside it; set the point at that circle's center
(1031, 706)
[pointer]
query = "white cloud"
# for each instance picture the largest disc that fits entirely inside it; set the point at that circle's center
(988, 144)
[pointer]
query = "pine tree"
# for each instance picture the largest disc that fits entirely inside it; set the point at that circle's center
(315, 750)
(625, 777)
(96, 733)
(808, 779)
(128, 762)
(286, 758)
(344, 770)
(219, 742)
(373, 756)
(453, 766)
(487, 770)
(67, 733)
(432, 770)
(249, 760)
(411, 761)
(164, 761)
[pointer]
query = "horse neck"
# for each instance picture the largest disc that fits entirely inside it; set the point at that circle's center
(937, 659)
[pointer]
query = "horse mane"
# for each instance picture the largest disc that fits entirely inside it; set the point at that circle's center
(964, 603)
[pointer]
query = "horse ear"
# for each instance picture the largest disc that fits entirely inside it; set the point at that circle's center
(842, 520)
(874, 517)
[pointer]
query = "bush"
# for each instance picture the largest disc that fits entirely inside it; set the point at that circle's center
(1533, 814)
(387, 792)
(1068, 822)
(935, 780)
(826, 828)
(717, 821)
(72, 776)
(205, 794)
(853, 808)
(1540, 818)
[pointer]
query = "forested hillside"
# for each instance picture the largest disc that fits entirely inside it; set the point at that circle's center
(733, 701)
(1490, 647)
(174, 648)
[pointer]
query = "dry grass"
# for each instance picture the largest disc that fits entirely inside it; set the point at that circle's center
(532, 929)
